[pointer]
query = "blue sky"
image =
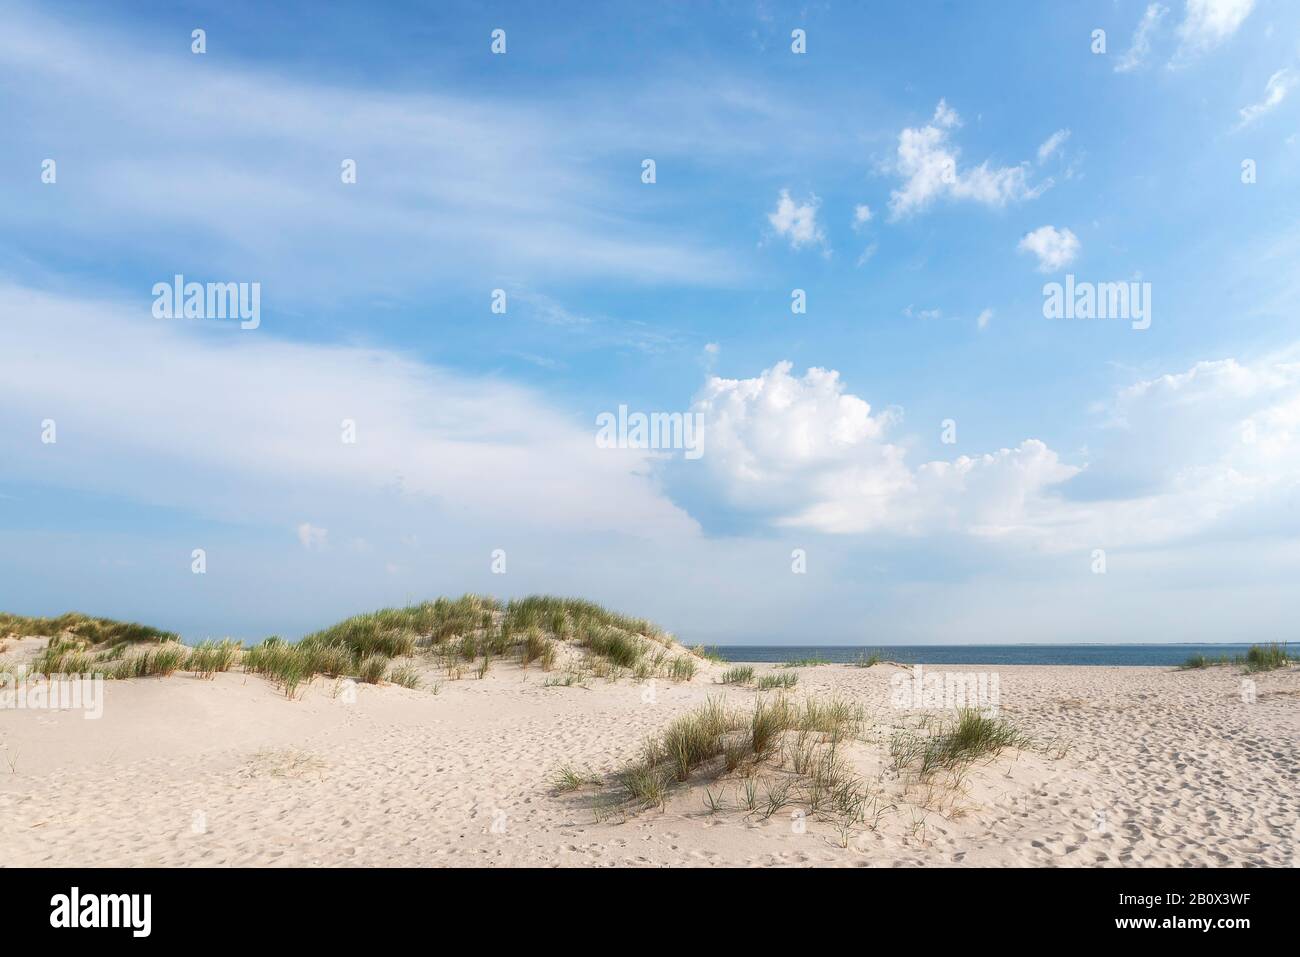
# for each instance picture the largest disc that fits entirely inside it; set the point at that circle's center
(921, 172)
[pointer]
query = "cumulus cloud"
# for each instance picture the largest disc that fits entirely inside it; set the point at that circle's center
(1179, 455)
(861, 215)
(994, 494)
(808, 454)
(1207, 23)
(1140, 48)
(1055, 248)
(929, 164)
(1275, 91)
(775, 437)
(797, 222)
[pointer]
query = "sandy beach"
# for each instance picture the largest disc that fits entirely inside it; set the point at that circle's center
(1132, 766)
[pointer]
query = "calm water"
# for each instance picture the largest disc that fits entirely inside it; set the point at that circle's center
(988, 654)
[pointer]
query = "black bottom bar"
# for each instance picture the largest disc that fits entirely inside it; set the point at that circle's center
(945, 906)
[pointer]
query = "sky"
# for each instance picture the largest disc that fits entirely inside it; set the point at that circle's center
(826, 232)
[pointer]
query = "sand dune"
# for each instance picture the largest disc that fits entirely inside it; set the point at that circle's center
(1163, 768)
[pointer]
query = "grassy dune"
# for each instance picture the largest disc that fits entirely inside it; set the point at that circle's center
(468, 633)
(93, 631)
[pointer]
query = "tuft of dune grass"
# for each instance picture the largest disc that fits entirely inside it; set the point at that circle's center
(682, 668)
(618, 647)
(739, 675)
(287, 666)
(794, 743)
(406, 676)
(567, 778)
(67, 656)
(209, 658)
(1267, 657)
(957, 744)
(533, 647)
(161, 660)
(1264, 657)
(64, 656)
(785, 681)
(371, 669)
(782, 753)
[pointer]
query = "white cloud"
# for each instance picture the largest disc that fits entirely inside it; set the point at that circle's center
(777, 442)
(1214, 447)
(1055, 248)
(1275, 91)
(1207, 23)
(997, 494)
(928, 163)
(797, 222)
(1140, 48)
(861, 215)
(434, 170)
(311, 537)
(241, 425)
(982, 320)
(810, 455)
(243, 428)
(1052, 144)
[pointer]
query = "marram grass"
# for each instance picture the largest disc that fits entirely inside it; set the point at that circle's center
(471, 629)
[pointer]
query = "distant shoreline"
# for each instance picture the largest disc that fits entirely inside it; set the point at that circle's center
(1099, 655)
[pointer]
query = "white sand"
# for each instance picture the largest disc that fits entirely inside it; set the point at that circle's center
(1166, 768)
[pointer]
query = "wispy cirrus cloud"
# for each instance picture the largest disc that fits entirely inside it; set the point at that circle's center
(1052, 145)
(1276, 89)
(434, 170)
(251, 428)
(1140, 46)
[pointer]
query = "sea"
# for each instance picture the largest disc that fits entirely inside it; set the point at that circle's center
(1089, 654)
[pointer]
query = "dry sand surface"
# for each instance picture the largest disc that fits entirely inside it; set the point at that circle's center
(1163, 768)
